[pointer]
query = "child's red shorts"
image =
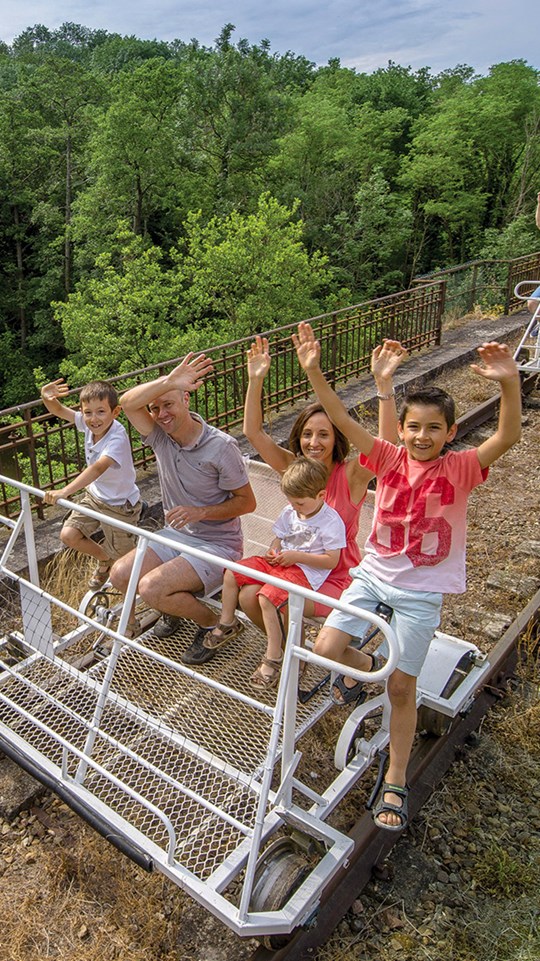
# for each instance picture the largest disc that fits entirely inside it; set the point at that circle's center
(275, 595)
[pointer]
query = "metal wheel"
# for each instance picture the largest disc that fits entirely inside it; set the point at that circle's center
(432, 721)
(95, 604)
(279, 873)
(356, 737)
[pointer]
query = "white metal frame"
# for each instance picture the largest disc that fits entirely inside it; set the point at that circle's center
(44, 696)
(529, 342)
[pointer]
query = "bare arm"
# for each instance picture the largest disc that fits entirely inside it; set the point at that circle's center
(537, 217)
(85, 478)
(325, 561)
(499, 365)
(385, 360)
(309, 351)
(50, 395)
(242, 502)
(188, 375)
(258, 365)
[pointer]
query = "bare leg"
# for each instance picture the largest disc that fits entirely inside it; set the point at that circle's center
(229, 598)
(402, 693)
(334, 644)
(250, 604)
(171, 588)
(74, 538)
(272, 629)
(121, 573)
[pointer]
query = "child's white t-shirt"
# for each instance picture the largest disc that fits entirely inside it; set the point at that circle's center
(117, 484)
(324, 531)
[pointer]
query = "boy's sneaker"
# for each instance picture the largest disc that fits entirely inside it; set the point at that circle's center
(166, 625)
(100, 575)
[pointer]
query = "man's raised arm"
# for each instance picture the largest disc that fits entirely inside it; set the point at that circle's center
(187, 376)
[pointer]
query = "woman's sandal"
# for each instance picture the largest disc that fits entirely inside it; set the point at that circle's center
(385, 807)
(349, 695)
(222, 634)
(265, 682)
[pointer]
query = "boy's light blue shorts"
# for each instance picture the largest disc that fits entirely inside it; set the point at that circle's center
(417, 615)
(210, 574)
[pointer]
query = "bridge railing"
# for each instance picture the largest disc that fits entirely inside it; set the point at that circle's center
(45, 452)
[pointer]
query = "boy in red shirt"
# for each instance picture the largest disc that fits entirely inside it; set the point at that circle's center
(416, 550)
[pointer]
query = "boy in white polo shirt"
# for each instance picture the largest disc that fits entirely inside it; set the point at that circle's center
(108, 479)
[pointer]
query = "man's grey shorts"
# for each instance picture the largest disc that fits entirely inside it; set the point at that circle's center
(210, 574)
(417, 615)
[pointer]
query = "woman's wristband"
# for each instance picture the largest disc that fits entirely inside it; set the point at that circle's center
(389, 396)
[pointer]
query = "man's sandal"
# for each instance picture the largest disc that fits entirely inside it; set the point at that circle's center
(222, 634)
(350, 695)
(385, 807)
(265, 682)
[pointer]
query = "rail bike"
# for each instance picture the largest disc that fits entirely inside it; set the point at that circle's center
(190, 772)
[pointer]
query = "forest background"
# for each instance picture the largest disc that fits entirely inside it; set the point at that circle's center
(162, 197)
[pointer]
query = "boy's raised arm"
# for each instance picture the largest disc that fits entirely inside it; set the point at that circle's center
(308, 351)
(50, 395)
(385, 360)
(499, 365)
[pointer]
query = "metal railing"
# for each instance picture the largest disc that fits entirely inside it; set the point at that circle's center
(47, 453)
(488, 283)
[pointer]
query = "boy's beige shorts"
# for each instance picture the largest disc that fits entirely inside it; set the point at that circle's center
(115, 542)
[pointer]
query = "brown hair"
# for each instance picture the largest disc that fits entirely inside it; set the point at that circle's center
(99, 390)
(341, 444)
(304, 478)
(430, 397)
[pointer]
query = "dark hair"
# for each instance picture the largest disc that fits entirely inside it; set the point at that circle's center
(430, 397)
(304, 478)
(99, 390)
(341, 444)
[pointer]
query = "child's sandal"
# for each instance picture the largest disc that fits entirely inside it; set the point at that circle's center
(262, 681)
(222, 634)
(100, 575)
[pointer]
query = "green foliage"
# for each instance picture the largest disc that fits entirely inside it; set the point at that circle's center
(124, 317)
(255, 189)
(245, 273)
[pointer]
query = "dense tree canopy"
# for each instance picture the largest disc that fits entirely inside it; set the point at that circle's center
(160, 196)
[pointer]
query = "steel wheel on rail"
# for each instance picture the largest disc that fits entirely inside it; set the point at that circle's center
(280, 871)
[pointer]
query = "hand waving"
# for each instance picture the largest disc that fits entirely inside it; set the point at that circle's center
(308, 349)
(190, 373)
(258, 359)
(498, 362)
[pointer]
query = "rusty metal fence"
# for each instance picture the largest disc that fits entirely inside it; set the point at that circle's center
(46, 453)
(487, 283)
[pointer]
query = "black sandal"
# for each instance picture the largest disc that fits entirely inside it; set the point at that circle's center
(356, 692)
(385, 807)
(350, 694)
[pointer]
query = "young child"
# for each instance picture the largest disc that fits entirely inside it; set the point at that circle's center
(309, 537)
(416, 550)
(108, 480)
